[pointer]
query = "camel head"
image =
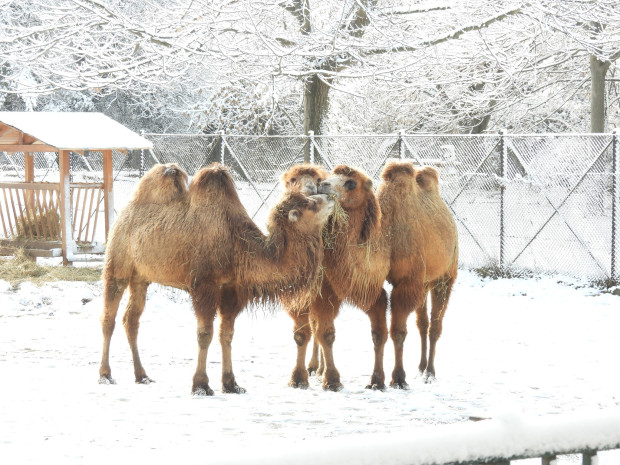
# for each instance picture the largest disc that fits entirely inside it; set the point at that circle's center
(161, 184)
(303, 178)
(354, 191)
(409, 178)
(306, 214)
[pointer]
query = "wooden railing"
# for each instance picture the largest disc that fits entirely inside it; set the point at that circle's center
(30, 210)
(85, 200)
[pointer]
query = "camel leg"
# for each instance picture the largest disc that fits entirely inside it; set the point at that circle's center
(378, 329)
(406, 296)
(440, 294)
(131, 321)
(324, 310)
(205, 298)
(302, 334)
(112, 294)
(232, 303)
(317, 362)
(313, 365)
(422, 322)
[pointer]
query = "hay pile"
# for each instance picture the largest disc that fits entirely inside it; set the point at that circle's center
(336, 224)
(39, 225)
(21, 268)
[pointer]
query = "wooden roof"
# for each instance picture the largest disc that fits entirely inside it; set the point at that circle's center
(74, 131)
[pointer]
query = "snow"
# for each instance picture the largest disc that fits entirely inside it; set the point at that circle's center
(537, 356)
(75, 130)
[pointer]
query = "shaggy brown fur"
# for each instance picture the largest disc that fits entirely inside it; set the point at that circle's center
(306, 179)
(424, 257)
(303, 178)
(162, 184)
(205, 243)
(355, 268)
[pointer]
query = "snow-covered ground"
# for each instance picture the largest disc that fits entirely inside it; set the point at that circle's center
(510, 348)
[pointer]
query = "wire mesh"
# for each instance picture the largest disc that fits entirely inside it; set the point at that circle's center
(368, 153)
(469, 169)
(559, 204)
(556, 190)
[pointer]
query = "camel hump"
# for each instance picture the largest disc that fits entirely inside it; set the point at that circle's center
(215, 177)
(427, 178)
(161, 184)
(394, 169)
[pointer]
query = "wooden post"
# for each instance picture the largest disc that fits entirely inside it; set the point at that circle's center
(65, 207)
(29, 164)
(29, 172)
(108, 196)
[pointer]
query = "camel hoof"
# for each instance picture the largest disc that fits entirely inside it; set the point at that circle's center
(202, 391)
(145, 380)
(106, 379)
(376, 387)
(236, 389)
(335, 387)
(399, 385)
(428, 378)
(299, 384)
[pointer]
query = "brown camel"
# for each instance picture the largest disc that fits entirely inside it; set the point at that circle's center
(424, 258)
(303, 178)
(204, 242)
(355, 267)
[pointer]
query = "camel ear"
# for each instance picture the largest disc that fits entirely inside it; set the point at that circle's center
(372, 219)
(294, 215)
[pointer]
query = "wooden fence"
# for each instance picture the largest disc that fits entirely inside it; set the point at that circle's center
(30, 215)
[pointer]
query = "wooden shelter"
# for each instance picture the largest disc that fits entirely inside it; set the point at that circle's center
(59, 218)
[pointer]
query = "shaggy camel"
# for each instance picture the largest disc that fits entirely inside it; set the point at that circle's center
(303, 178)
(355, 266)
(424, 258)
(203, 241)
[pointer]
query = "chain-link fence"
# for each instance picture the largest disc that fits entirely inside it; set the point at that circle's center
(545, 203)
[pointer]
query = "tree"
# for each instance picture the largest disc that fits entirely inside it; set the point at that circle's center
(595, 26)
(286, 66)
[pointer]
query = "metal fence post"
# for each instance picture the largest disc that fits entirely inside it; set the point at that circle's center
(141, 173)
(310, 157)
(222, 147)
(589, 458)
(502, 217)
(615, 192)
(401, 144)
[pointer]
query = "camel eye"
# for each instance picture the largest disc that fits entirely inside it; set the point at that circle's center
(319, 180)
(293, 179)
(350, 185)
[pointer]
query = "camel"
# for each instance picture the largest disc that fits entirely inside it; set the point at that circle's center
(424, 258)
(355, 268)
(304, 178)
(204, 242)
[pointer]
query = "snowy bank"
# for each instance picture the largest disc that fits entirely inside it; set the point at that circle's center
(509, 436)
(533, 347)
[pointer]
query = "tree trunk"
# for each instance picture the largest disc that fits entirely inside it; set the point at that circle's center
(598, 70)
(316, 104)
